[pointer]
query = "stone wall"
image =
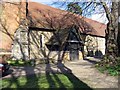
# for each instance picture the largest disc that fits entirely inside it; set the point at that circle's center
(38, 49)
(94, 46)
(10, 16)
(33, 46)
(37, 41)
(20, 44)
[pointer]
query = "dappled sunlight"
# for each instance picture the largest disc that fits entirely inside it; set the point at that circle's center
(59, 77)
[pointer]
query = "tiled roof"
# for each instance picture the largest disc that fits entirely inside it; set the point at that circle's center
(49, 17)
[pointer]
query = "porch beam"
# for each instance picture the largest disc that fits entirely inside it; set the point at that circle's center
(41, 29)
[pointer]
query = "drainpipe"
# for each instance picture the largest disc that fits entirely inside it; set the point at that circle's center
(26, 8)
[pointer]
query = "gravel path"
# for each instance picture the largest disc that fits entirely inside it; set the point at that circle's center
(83, 69)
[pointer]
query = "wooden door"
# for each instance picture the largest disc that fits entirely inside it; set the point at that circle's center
(74, 52)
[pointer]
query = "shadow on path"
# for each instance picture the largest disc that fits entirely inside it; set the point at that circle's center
(76, 83)
(91, 61)
(7, 73)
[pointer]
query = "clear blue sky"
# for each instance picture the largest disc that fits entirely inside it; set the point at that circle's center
(44, 1)
(50, 3)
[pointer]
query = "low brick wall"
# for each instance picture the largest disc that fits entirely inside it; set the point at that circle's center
(66, 56)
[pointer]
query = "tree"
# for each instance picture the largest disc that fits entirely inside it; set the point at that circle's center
(74, 8)
(118, 39)
(112, 33)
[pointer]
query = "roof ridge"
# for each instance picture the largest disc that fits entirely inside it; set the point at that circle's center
(46, 5)
(95, 21)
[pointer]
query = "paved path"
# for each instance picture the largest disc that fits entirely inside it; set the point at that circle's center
(86, 72)
(83, 69)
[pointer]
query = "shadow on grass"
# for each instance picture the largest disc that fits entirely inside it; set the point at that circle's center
(76, 82)
(52, 77)
(31, 78)
(62, 78)
(18, 79)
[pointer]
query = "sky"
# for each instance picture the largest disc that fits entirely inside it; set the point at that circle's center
(44, 1)
(97, 17)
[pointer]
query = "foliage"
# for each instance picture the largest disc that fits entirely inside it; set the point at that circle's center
(74, 8)
(19, 62)
(110, 67)
(29, 62)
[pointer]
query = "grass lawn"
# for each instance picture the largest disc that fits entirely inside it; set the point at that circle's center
(45, 81)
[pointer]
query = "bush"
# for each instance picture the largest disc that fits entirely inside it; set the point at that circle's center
(109, 66)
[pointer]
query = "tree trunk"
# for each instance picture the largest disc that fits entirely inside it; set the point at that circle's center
(118, 39)
(112, 30)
